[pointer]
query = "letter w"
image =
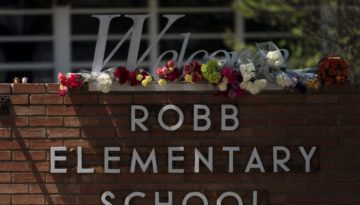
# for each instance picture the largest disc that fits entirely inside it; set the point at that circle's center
(136, 33)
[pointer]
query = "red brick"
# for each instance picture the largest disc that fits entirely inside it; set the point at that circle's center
(52, 87)
(5, 178)
(40, 167)
(81, 121)
(13, 188)
(28, 199)
(46, 99)
(99, 132)
(350, 98)
(28, 155)
(46, 121)
(21, 99)
(45, 144)
(5, 88)
(302, 199)
(5, 155)
(214, 99)
(253, 99)
(63, 132)
(321, 120)
(287, 98)
(29, 110)
(5, 133)
(349, 120)
(28, 88)
(346, 88)
(9, 121)
(61, 110)
(14, 166)
(5, 199)
(81, 99)
(321, 99)
(28, 177)
(115, 99)
(13, 144)
(287, 121)
(30, 133)
(150, 99)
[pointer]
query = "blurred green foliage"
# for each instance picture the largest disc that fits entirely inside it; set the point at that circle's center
(317, 28)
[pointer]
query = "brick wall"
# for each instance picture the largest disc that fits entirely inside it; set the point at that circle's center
(40, 119)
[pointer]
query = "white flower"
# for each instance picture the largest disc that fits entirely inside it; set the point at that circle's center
(223, 85)
(283, 80)
(104, 82)
(275, 58)
(247, 71)
(254, 87)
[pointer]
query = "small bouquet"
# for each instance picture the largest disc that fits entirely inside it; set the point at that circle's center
(333, 70)
(229, 83)
(269, 60)
(192, 72)
(169, 72)
(211, 71)
(71, 80)
(134, 78)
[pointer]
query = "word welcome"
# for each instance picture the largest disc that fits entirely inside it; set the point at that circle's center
(280, 156)
(135, 35)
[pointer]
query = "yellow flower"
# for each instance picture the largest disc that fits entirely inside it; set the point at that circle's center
(162, 82)
(188, 78)
(139, 77)
(313, 84)
(145, 83)
(148, 78)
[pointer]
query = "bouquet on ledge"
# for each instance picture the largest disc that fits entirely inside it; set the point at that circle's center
(137, 77)
(333, 70)
(70, 80)
(169, 72)
(192, 72)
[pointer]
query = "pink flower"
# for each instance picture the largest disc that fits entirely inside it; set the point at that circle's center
(63, 90)
(227, 71)
(170, 63)
(162, 71)
(62, 78)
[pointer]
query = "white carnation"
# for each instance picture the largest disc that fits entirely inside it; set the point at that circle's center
(275, 58)
(104, 82)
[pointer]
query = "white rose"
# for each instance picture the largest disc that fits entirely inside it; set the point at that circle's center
(283, 80)
(104, 82)
(275, 58)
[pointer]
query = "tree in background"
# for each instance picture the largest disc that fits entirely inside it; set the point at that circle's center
(317, 27)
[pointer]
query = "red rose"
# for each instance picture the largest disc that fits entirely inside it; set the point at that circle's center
(122, 74)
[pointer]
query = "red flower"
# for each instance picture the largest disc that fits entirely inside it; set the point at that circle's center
(196, 77)
(122, 74)
(132, 78)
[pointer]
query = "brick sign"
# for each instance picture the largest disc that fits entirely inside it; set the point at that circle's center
(179, 148)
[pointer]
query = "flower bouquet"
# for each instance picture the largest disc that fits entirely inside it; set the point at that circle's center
(192, 72)
(333, 70)
(169, 72)
(70, 80)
